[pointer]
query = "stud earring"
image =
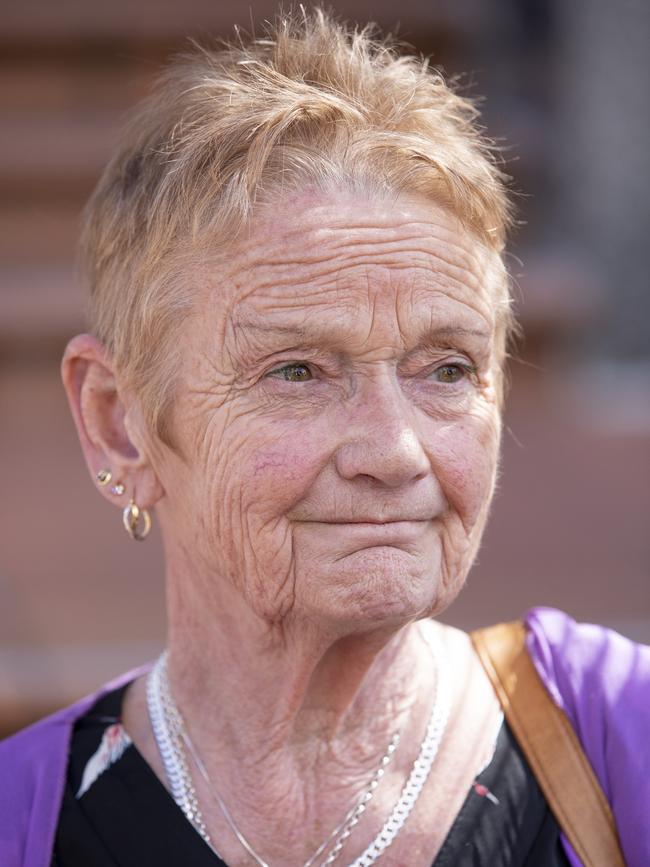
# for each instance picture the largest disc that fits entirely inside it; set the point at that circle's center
(132, 517)
(118, 489)
(103, 477)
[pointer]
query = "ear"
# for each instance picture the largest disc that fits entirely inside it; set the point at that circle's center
(107, 423)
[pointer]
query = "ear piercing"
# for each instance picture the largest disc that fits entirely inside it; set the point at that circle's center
(104, 477)
(136, 521)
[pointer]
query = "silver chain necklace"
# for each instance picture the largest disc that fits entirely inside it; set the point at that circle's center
(343, 829)
(171, 735)
(172, 738)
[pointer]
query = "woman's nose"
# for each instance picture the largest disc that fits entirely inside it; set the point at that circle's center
(382, 443)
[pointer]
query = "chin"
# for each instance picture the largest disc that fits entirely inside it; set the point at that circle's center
(375, 588)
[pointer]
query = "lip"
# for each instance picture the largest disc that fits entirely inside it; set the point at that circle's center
(376, 521)
(370, 533)
(351, 537)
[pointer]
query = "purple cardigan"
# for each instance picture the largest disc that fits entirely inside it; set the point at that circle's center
(600, 679)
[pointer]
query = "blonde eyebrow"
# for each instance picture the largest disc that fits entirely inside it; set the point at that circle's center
(269, 327)
(293, 329)
(300, 336)
(448, 332)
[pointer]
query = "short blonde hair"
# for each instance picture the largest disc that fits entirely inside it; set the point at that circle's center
(314, 104)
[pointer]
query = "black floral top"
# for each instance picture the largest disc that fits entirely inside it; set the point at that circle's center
(116, 812)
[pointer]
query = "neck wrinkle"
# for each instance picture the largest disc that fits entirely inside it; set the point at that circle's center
(249, 700)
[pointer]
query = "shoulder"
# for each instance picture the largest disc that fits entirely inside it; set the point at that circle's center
(32, 767)
(602, 682)
(32, 764)
(593, 673)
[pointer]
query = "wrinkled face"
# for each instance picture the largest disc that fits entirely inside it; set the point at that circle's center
(338, 414)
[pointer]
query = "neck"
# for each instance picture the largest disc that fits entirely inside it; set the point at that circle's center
(293, 718)
(247, 685)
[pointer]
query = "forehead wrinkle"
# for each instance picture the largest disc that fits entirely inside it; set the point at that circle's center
(316, 227)
(473, 311)
(345, 287)
(329, 220)
(439, 258)
(350, 297)
(456, 259)
(255, 323)
(420, 324)
(312, 299)
(342, 281)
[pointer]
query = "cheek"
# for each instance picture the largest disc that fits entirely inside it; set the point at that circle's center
(254, 473)
(276, 467)
(279, 474)
(465, 459)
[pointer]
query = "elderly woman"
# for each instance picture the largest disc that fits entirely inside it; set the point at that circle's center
(299, 322)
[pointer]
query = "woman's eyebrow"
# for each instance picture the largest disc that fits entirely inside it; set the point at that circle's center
(268, 327)
(312, 330)
(447, 332)
(342, 329)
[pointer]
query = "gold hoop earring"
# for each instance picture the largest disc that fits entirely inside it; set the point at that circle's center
(131, 519)
(103, 477)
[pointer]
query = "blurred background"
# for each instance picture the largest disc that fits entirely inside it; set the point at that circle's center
(566, 88)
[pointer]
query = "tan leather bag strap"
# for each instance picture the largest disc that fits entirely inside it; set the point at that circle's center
(550, 745)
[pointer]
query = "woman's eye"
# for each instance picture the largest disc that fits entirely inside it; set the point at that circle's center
(450, 373)
(293, 373)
